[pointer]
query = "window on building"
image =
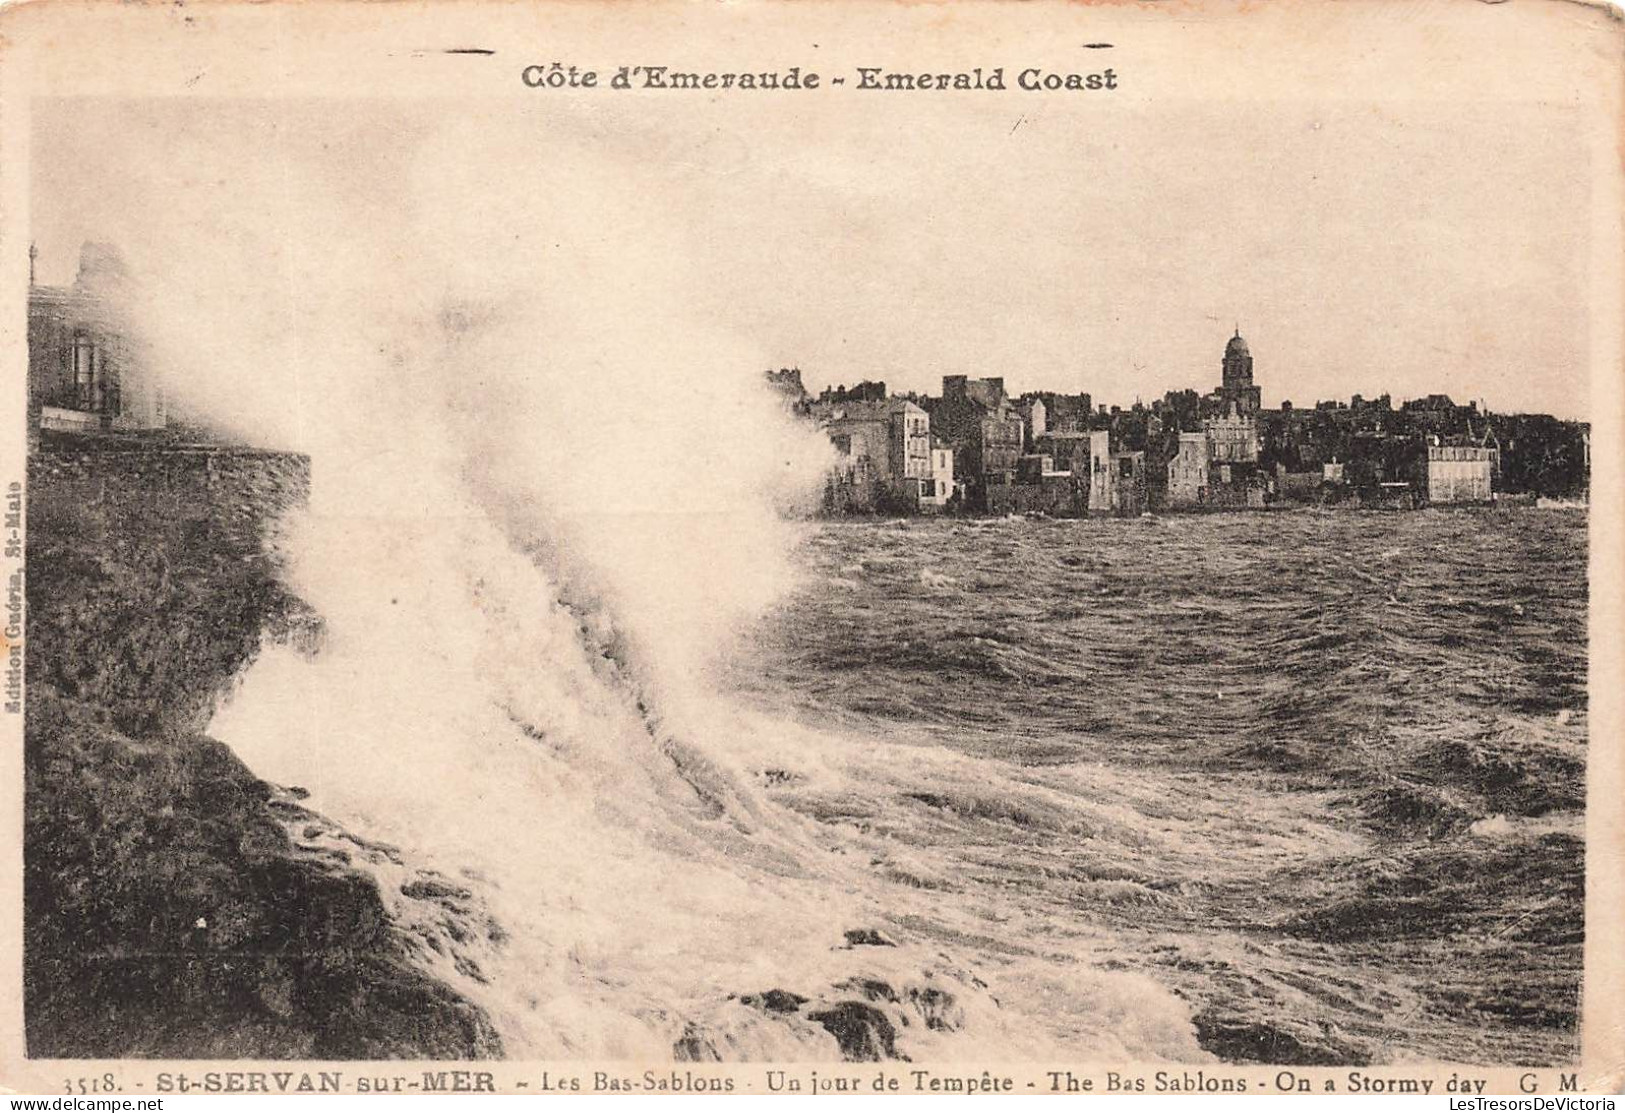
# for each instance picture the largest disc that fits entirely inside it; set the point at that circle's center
(1126, 468)
(84, 372)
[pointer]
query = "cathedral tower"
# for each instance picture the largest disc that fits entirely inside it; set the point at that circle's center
(1237, 387)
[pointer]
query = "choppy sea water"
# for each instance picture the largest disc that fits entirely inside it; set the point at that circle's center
(1321, 775)
(1288, 787)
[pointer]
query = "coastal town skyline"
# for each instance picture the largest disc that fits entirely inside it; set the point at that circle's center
(980, 446)
(977, 446)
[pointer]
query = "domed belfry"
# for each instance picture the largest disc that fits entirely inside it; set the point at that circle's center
(1237, 389)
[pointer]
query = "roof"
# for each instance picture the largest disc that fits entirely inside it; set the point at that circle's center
(1237, 346)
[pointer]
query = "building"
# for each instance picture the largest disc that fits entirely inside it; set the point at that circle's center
(1099, 475)
(859, 434)
(1033, 467)
(865, 391)
(1128, 488)
(786, 382)
(859, 430)
(1035, 420)
(1068, 451)
(1187, 471)
(1063, 413)
(937, 491)
(908, 444)
(1298, 486)
(881, 443)
(86, 371)
(984, 428)
(1230, 413)
(1438, 416)
(1236, 393)
(1232, 438)
(1459, 473)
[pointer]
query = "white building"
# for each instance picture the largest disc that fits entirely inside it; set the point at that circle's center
(1187, 471)
(939, 488)
(1459, 473)
(1232, 439)
(1100, 472)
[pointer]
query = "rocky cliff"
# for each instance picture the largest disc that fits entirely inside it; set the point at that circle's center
(168, 912)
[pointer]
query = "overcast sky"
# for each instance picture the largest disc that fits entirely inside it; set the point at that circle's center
(1360, 247)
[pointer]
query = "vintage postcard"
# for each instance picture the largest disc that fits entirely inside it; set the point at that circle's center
(842, 547)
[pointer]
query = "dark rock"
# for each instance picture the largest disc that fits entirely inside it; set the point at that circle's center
(167, 914)
(868, 937)
(775, 1001)
(430, 888)
(694, 1046)
(863, 1032)
(872, 988)
(939, 1009)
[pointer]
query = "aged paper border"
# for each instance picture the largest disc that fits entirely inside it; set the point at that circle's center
(365, 50)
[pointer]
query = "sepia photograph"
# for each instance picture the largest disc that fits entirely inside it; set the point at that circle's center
(849, 536)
